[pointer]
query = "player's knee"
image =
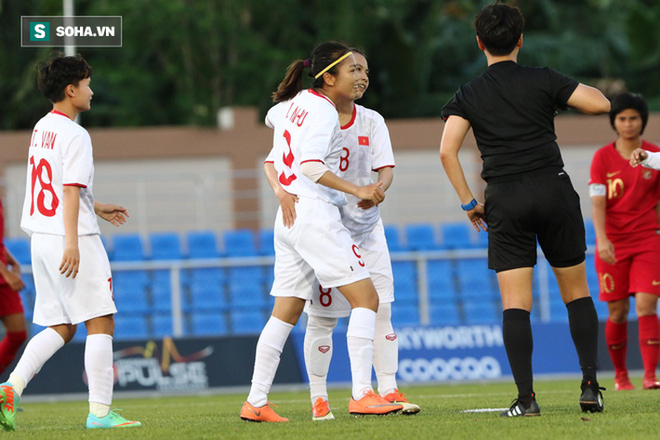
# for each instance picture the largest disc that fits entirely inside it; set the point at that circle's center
(321, 324)
(384, 313)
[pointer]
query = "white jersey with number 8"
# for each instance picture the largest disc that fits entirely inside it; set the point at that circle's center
(60, 154)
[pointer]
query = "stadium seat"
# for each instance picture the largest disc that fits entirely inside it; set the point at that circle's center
(208, 324)
(130, 278)
(20, 248)
(249, 273)
(208, 275)
(202, 244)
(131, 300)
(475, 280)
(27, 298)
(393, 239)
(208, 297)
(457, 235)
(440, 278)
(266, 242)
(482, 312)
(240, 243)
(165, 246)
(128, 247)
(246, 295)
(590, 232)
(404, 314)
(420, 237)
(162, 298)
(162, 325)
(404, 269)
(445, 313)
(130, 327)
(247, 322)
(405, 290)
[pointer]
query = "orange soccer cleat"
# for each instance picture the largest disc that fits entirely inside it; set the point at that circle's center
(262, 414)
(372, 404)
(321, 410)
(400, 398)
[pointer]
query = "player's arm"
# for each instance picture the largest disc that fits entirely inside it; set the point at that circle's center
(12, 276)
(598, 209)
(648, 159)
(385, 175)
(71, 207)
(372, 192)
(456, 128)
(589, 100)
(287, 200)
(117, 215)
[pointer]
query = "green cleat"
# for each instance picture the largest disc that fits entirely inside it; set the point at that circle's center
(8, 401)
(112, 420)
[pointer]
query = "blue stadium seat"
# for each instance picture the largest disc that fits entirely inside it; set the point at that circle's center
(202, 244)
(208, 324)
(131, 300)
(247, 322)
(130, 327)
(440, 277)
(165, 246)
(208, 275)
(130, 278)
(421, 237)
(208, 297)
(162, 325)
(266, 241)
(475, 280)
(405, 290)
(457, 235)
(240, 243)
(20, 248)
(81, 334)
(162, 298)
(393, 239)
(128, 247)
(249, 273)
(247, 295)
(590, 232)
(482, 312)
(445, 313)
(404, 314)
(404, 269)
(27, 298)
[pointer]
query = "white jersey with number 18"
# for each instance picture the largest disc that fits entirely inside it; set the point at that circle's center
(306, 128)
(367, 148)
(60, 154)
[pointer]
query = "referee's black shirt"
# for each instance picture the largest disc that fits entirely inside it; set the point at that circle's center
(511, 109)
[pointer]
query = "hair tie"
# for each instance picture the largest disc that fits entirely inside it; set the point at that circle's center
(307, 63)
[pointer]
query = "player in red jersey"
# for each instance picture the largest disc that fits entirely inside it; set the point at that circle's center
(11, 307)
(625, 215)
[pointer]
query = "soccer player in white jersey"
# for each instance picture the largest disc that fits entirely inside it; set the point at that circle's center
(366, 148)
(307, 146)
(70, 266)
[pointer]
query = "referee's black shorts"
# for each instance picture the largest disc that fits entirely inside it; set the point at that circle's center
(544, 206)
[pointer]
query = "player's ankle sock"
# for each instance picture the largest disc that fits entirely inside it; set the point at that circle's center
(267, 358)
(9, 347)
(583, 322)
(318, 353)
(100, 410)
(616, 338)
(386, 350)
(17, 382)
(518, 342)
(98, 366)
(40, 348)
(649, 337)
(360, 341)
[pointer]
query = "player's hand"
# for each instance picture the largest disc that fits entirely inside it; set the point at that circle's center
(637, 156)
(15, 281)
(70, 261)
(288, 203)
(372, 192)
(117, 215)
(477, 216)
(365, 204)
(606, 251)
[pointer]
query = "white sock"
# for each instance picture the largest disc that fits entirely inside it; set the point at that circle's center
(37, 352)
(318, 353)
(98, 366)
(269, 348)
(360, 341)
(386, 350)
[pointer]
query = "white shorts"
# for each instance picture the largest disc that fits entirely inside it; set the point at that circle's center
(329, 303)
(62, 300)
(318, 246)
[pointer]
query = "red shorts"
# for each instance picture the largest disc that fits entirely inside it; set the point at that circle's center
(10, 301)
(637, 270)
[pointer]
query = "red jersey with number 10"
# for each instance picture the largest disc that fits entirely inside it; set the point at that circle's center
(631, 193)
(60, 154)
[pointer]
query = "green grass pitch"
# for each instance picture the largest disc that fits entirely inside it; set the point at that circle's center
(628, 415)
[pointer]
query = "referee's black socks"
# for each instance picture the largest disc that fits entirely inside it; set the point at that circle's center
(583, 321)
(517, 335)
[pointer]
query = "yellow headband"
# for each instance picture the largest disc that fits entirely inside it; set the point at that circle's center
(339, 60)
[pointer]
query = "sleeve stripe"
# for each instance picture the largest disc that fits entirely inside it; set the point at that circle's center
(75, 184)
(384, 166)
(312, 160)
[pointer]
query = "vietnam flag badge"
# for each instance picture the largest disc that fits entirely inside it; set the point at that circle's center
(363, 140)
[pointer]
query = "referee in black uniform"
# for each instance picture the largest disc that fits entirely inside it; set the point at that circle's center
(529, 197)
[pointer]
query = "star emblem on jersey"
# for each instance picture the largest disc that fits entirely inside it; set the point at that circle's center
(391, 337)
(363, 140)
(324, 348)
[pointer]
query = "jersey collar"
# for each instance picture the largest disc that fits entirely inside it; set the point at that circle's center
(350, 123)
(56, 112)
(314, 92)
